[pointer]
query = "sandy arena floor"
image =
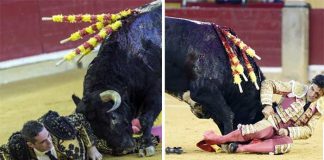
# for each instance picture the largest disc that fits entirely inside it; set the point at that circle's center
(185, 130)
(29, 99)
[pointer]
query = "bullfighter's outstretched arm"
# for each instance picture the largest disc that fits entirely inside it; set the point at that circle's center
(270, 87)
(311, 117)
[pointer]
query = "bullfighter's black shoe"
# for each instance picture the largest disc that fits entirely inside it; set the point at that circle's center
(232, 147)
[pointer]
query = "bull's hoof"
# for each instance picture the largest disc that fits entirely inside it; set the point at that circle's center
(232, 147)
(148, 151)
(141, 153)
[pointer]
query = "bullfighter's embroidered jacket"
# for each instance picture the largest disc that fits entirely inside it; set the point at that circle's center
(291, 106)
(290, 110)
(306, 124)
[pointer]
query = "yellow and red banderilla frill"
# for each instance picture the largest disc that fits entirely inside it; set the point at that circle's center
(105, 25)
(236, 67)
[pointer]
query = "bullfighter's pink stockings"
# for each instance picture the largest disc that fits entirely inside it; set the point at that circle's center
(236, 136)
(265, 146)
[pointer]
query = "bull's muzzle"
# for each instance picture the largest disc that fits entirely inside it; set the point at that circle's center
(111, 95)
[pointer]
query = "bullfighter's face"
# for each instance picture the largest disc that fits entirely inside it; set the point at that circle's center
(314, 92)
(43, 141)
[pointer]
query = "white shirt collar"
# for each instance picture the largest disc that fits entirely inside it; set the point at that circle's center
(40, 154)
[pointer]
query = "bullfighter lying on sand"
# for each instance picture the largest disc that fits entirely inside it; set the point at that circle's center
(53, 137)
(70, 137)
(294, 117)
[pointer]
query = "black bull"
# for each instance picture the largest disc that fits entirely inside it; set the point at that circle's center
(124, 81)
(196, 61)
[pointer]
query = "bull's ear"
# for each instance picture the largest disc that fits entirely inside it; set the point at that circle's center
(76, 99)
(80, 107)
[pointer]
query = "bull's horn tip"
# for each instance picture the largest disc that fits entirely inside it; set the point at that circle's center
(257, 57)
(46, 18)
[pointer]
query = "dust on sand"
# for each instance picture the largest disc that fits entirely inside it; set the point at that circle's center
(29, 99)
(183, 129)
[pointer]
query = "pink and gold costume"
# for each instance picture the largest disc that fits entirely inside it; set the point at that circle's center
(290, 114)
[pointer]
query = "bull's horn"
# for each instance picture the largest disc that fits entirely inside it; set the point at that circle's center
(111, 95)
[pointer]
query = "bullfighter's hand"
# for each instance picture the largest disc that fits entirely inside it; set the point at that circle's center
(267, 111)
(283, 132)
(94, 154)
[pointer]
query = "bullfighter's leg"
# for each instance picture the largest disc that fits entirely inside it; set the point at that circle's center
(214, 103)
(237, 136)
(276, 145)
(260, 130)
(151, 109)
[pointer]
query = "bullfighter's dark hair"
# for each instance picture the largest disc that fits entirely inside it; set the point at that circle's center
(319, 80)
(30, 130)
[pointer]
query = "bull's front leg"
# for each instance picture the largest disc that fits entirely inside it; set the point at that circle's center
(151, 109)
(214, 103)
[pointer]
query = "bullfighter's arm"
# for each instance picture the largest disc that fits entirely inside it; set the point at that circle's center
(84, 129)
(87, 135)
(270, 87)
(304, 132)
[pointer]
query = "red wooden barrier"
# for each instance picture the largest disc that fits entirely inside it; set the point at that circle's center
(22, 33)
(259, 28)
(316, 37)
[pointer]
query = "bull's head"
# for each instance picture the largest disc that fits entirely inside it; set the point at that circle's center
(110, 118)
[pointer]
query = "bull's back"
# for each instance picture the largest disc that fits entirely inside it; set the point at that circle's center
(129, 55)
(195, 57)
(192, 50)
(142, 38)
